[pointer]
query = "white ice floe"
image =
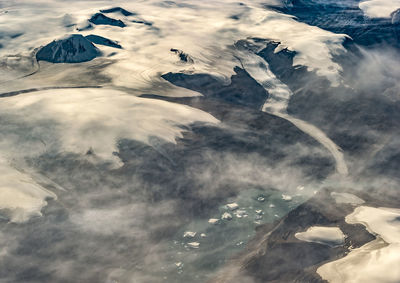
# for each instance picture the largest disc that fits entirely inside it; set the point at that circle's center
(286, 197)
(376, 261)
(79, 120)
(347, 198)
(213, 221)
(20, 196)
(226, 216)
(193, 245)
(259, 211)
(261, 199)
(240, 213)
(189, 234)
(331, 236)
(203, 235)
(232, 206)
(379, 8)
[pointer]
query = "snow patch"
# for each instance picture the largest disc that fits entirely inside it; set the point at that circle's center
(286, 197)
(189, 234)
(226, 216)
(376, 261)
(331, 236)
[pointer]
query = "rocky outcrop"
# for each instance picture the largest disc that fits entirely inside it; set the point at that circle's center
(100, 19)
(71, 49)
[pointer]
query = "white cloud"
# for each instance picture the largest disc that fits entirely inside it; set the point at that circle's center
(20, 196)
(379, 8)
(79, 120)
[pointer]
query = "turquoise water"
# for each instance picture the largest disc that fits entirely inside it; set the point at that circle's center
(226, 238)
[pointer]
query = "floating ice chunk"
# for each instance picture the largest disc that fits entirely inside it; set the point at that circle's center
(189, 234)
(286, 197)
(347, 198)
(300, 188)
(203, 235)
(193, 245)
(179, 264)
(232, 206)
(240, 213)
(259, 211)
(213, 221)
(226, 216)
(261, 199)
(272, 205)
(331, 236)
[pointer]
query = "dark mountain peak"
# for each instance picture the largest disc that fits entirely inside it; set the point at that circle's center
(71, 49)
(118, 10)
(101, 19)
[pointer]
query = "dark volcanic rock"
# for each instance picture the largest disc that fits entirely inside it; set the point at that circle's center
(142, 22)
(242, 90)
(117, 10)
(89, 26)
(103, 41)
(182, 55)
(72, 49)
(100, 19)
